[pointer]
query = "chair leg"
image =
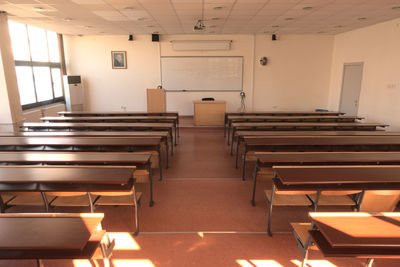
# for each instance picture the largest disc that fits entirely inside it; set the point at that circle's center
(151, 184)
(244, 164)
(90, 202)
(253, 201)
(39, 263)
(45, 202)
(370, 262)
(136, 212)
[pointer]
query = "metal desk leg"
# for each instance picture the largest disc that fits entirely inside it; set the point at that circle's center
(151, 183)
(370, 262)
(244, 163)
(136, 212)
(45, 202)
(172, 136)
(166, 155)
(39, 263)
(160, 161)
(229, 134)
(237, 151)
(225, 126)
(175, 132)
(253, 202)
(270, 209)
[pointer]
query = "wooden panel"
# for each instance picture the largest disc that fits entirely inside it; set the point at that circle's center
(209, 113)
(156, 100)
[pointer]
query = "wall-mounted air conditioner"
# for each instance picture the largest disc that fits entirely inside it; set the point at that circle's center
(74, 96)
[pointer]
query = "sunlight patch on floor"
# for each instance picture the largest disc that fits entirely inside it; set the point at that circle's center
(315, 263)
(123, 241)
(133, 263)
(258, 263)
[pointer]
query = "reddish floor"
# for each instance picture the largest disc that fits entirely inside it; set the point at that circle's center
(202, 193)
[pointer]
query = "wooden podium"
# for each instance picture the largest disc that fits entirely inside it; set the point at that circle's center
(209, 113)
(156, 100)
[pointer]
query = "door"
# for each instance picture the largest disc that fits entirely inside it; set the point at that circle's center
(351, 87)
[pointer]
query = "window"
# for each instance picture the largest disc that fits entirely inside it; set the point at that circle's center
(37, 64)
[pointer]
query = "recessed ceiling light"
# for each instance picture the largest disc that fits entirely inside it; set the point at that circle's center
(38, 8)
(217, 7)
(396, 7)
(215, 18)
(128, 8)
(275, 26)
(307, 8)
(67, 19)
(362, 18)
(289, 19)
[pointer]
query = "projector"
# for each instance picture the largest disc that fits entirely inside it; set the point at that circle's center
(199, 26)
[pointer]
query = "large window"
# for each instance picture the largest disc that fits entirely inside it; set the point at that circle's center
(37, 64)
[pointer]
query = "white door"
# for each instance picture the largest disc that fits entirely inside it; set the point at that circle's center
(351, 87)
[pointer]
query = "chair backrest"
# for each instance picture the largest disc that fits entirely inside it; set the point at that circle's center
(380, 200)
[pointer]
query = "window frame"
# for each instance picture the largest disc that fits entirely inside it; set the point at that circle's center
(50, 65)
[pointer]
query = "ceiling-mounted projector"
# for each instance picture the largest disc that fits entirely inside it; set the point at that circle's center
(199, 26)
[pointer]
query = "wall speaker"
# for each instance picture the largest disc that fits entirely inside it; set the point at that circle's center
(155, 37)
(274, 37)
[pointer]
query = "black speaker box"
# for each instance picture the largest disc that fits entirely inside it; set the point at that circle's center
(155, 37)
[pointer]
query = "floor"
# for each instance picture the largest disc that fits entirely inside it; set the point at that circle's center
(202, 217)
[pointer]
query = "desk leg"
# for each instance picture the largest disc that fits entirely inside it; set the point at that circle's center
(90, 202)
(269, 202)
(151, 183)
(237, 151)
(45, 202)
(160, 161)
(232, 143)
(166, 155)
(175, 132)
(253, 202)
(229, 134)
(360, 199)
(244, 163)
(39, 263)
(370, 262)
(136, 212)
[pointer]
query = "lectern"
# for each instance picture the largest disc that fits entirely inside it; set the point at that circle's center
(156, 100)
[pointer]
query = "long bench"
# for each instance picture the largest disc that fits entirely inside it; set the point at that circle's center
(261, 118)
(139, 160)
(117, 119)
(280, 113)
(43, 126)
(318, 144)
(304, 126)
(266, 160)
(83, 144)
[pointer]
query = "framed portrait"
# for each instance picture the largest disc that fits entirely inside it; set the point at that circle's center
(118, 59)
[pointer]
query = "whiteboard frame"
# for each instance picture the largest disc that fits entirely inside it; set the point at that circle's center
(188, 91)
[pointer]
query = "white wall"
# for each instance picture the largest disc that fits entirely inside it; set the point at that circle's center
(297, 76)
(378, 47)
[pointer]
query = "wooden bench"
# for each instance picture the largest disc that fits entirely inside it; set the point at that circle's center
(266, 160)
(318, 144)
(262, 118)
(304, 126)
(41, 236)
(139, 160)
(279, 113)
(83, 144)
(43, 126)
(116, 119)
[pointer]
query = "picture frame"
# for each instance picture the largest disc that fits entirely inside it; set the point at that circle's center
(118, 60)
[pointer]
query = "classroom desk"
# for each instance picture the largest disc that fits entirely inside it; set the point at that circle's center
(280, 113)
(304, 126)
(139, 160)
(240, 134)
(41, 236)
(262, 118)
(163, 135)
(83, 144)
(46, 126)
(69, 179)
(120, 119)
(269, 159)
(361, 235)
(318, 144)
(118, 113)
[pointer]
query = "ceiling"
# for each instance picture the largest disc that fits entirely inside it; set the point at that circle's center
(220, 16)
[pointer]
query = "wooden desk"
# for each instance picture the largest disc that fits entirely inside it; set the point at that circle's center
(209, 113)
(318, 144)
(51, 236)
(116, 119)
(280, 113)
(261, 118)
(361, 235)
(269, 159)
(83, 144)
(163, 135)
(302, 126)
(45, 126)
(138, 160)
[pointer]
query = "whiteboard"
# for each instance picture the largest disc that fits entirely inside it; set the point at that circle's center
(202, 73)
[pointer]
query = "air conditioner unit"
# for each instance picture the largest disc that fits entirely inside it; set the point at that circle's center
(201, 45)
(74, 96)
